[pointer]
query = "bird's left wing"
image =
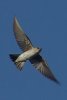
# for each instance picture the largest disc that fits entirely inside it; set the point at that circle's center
(21, 38)
(42, 67)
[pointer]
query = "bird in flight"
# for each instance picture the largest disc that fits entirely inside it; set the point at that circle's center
(30, 53)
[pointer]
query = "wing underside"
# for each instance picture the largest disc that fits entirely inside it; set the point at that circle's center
(42, 67)
(21, 38)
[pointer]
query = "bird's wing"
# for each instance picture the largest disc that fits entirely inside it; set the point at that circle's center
(20, 64)
(21, 38)
(42, 67)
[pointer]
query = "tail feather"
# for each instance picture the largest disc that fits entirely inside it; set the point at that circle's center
(18, 64)
(13, 57)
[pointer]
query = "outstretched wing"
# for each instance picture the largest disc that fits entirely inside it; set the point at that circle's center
(42, 67)
(21, 38)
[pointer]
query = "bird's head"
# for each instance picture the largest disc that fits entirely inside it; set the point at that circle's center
(39, 49)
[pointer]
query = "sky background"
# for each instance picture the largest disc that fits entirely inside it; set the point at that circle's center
(45, 22)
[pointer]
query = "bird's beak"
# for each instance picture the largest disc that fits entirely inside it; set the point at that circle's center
(40, 49)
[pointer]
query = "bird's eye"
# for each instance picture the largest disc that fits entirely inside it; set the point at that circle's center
(38, 48)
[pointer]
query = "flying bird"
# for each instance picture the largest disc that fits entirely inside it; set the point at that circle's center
(30, 53)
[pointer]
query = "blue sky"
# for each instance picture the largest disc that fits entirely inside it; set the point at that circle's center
(45, 22)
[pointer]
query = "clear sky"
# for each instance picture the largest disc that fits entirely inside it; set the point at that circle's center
(45, 22)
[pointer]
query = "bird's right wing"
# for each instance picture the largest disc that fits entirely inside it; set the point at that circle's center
(42, 67)
(21, 38)
(20, 64)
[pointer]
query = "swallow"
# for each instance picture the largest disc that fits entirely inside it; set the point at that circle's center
(30, 53)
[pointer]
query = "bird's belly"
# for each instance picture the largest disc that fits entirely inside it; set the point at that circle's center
(26, 55)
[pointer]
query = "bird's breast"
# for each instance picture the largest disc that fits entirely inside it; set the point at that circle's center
(26, 55)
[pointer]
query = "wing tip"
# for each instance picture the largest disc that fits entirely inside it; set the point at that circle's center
(16, 25)
(15, 19)
(56, 81)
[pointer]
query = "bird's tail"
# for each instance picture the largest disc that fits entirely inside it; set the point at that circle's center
(18, 64)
